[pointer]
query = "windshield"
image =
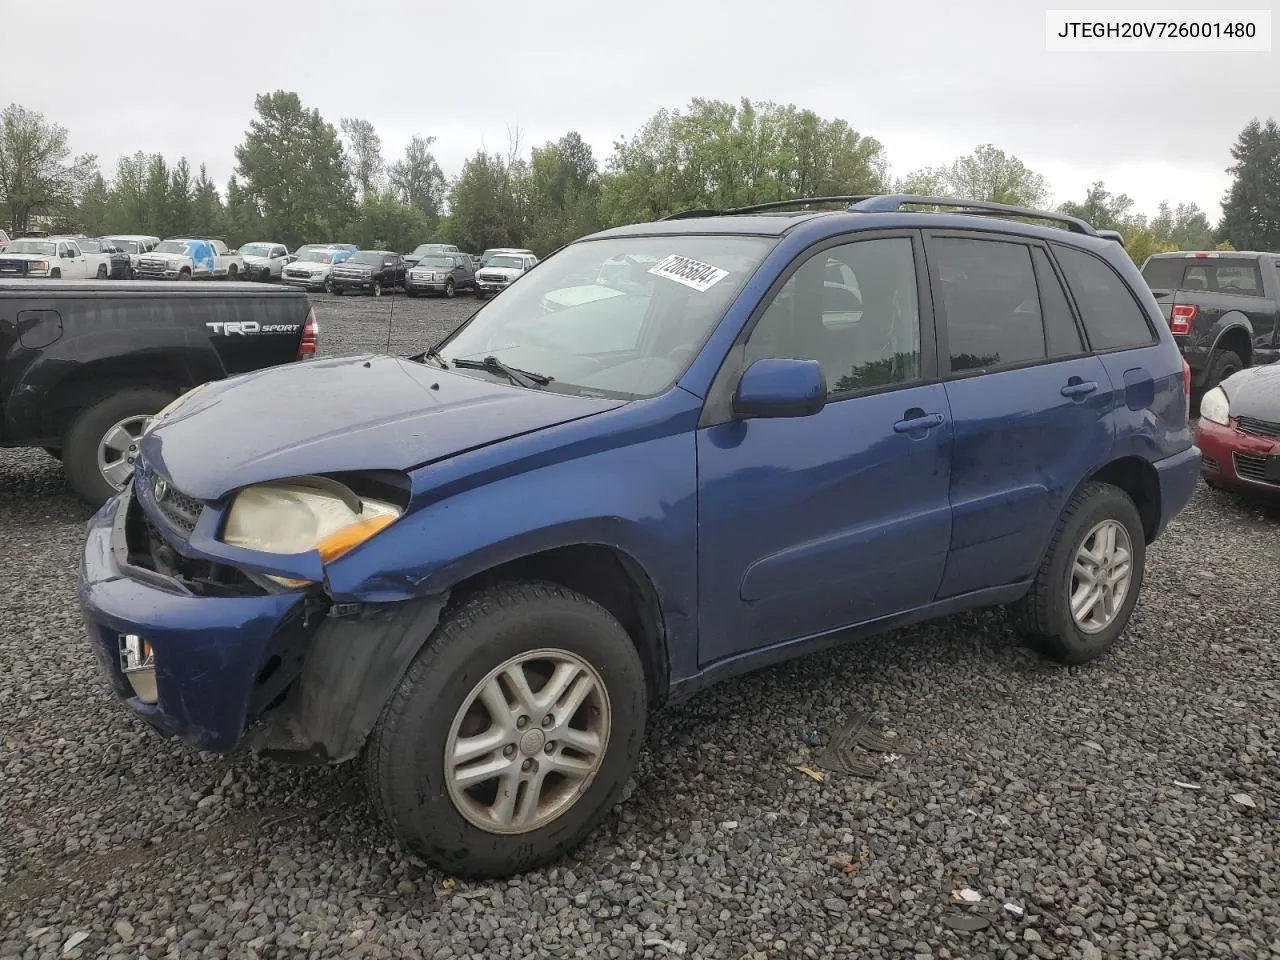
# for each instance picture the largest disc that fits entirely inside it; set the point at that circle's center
(316, 256)
(368, 256)
(501, 261)
(39, 247)
(425, 248)
(437, 262)
(171, 246)
(629, 341)
(90, 246)
(256, 250)
(128, 246)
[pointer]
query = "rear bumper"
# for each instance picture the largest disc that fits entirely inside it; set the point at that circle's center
(1177, 476)
(1238, 460)
(210, 652)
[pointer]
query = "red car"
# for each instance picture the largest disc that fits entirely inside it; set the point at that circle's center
(1239, 431)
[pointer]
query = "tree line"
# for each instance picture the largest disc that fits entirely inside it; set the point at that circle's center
(300, 179)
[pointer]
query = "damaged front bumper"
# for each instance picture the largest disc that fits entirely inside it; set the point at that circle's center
(286, 674)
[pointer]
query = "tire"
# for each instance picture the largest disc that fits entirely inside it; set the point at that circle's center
(88, 431)
(1044, 614)
(132, 274)
(233, 272)
(405, 754)
(337, 291)
(377, 288)
(55, 274)
(184, 274)
(102, 271)
(1222, 364)
(409, 292)
(448, 289)
(53, 452)
(480, 295)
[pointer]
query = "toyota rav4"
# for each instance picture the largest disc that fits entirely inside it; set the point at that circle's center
(482, 567)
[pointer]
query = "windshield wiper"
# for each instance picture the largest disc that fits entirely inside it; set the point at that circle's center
(522, 378)
(431, 354)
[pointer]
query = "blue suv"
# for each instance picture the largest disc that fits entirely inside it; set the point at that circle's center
(671, 453)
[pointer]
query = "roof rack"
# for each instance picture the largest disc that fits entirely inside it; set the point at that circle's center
(893, 203)
(761, 207)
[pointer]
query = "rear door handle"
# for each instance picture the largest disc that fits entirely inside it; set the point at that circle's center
(925, 422)
(1079, 389)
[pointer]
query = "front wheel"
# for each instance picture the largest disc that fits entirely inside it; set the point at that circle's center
(102, 271)
(1088, 583)
(377, 288)
(233, 272)
(410, 292)
(513, 732)
(55, 274)
(448, 289)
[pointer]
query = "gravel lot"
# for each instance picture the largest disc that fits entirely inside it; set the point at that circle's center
(1052, 788)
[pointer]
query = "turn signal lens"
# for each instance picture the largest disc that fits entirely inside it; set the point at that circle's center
(348, 538)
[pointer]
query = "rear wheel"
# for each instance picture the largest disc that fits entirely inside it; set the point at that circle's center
(1222, 364)
(1088, 583)
(512, 733)
(101, 443)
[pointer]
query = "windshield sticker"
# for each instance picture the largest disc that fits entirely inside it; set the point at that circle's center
(700, 276)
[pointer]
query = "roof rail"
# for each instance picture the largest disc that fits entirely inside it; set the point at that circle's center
(892, 203)
(773, 205)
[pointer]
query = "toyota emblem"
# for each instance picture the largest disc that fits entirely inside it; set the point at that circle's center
(161, 489)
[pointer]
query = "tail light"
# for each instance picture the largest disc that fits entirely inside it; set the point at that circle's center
(1180, 318)
(310, 337)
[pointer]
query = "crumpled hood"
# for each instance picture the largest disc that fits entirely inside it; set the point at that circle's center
(349, 413)
(255, 260)
(1255, 392)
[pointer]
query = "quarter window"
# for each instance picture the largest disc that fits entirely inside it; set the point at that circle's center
(854, 309)
(1060, 328)
(1112, 318)
(990, 301)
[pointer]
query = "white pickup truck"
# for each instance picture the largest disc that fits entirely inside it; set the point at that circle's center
(190, 259)
(58, 258)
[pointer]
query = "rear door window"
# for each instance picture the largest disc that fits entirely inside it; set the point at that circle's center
(990, 301)
(1112, 317)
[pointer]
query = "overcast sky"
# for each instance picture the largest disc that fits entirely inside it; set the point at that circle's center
(930, 79)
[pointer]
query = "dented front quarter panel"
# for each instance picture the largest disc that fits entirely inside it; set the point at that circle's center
(629, 483)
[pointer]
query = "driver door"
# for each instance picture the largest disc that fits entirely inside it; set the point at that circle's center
(813, 523)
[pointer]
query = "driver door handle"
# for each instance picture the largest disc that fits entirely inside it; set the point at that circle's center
(922, 421)
(1079, 388)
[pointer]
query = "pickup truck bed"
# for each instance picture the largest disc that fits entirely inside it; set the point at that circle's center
(1223, 308)
(83, 366)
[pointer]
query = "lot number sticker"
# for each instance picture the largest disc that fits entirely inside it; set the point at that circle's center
(701, 276)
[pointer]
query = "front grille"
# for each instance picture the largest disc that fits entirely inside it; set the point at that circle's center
(14, 267)
(298, 274)
(492, 278)
(1258, 428)
(180, 510)
(1254, 468)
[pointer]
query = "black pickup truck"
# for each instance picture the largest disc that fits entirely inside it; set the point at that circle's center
(1223, 308)
(84, 366)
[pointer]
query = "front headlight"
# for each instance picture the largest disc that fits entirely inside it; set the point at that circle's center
(1215, 407)
(303, 514)
(38, 266)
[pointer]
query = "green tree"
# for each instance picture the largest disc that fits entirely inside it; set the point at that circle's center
(719, 154)
(364, 155)
(418, 181)
(485, 208)
(155, 196)
(181, 199)
(95, 206)
(35, 175)
(241, 217)
(291, 166)
(1106, 211)
(563, 194)
(1251, 209)
(207, 215)
(385, 223)
(988, 173)
(127, 210)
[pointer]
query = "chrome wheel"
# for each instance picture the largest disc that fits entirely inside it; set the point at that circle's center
(527, 741)
(119, 448)
(1101, 575)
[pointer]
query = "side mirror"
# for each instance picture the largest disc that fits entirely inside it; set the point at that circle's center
(68, 255)
(774, 388)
